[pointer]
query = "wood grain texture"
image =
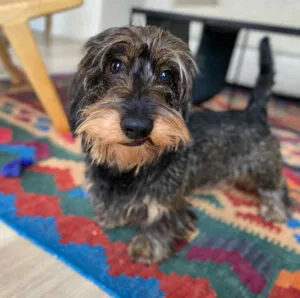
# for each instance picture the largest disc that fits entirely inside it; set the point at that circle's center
(15, 73)
(14, 15)
(29, 272)
(21, 39)
(18, 11)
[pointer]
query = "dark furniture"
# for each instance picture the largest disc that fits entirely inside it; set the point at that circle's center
(217, 44)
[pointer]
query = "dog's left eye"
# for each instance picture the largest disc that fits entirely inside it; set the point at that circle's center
(165, 76)
(116, 66)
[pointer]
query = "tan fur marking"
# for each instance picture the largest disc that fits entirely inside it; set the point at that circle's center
(102, 132)
(169, 130)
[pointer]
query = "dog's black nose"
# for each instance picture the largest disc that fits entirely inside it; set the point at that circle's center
(135, 128)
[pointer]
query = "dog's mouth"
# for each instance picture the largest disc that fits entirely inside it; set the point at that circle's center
(136, 142)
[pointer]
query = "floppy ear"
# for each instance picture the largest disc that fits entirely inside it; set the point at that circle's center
(188, 69)
(85, 86)
(187, 96)
(77, 95)
(88, 72)
(186, 110)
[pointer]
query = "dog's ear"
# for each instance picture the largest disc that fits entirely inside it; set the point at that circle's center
(88, 72)
(186, 110)
(186, 92)
(77, 95)
(188, 70)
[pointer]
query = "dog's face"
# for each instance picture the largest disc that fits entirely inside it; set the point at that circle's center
(130, 95)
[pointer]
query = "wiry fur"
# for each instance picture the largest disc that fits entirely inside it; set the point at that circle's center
(146, 185)
(106, 145)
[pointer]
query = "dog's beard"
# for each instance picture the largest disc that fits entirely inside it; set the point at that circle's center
(106, 143)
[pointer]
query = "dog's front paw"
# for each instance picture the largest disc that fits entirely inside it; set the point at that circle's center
(145, 248)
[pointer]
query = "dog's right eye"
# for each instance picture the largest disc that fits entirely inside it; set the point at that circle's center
(116, 66)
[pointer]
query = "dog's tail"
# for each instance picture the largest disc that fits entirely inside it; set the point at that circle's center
(265, 81)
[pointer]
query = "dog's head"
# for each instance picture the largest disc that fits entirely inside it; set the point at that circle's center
(130, 96)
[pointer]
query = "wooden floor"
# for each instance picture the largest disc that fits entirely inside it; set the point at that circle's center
(26, 271)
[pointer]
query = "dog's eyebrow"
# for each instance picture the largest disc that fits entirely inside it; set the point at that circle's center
(107, 46)
(118, 51)
(168, 63)
(145, 52)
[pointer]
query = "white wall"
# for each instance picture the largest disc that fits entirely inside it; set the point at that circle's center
(97, 15)
(117, 12)
(89, 19)
(158, 4)
(286, 48)
(284, 12)
(79, 23)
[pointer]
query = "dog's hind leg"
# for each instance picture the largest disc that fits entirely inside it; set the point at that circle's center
(275, 202)
(266, 174)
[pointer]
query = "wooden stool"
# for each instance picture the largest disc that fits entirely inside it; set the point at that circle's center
(14, 15)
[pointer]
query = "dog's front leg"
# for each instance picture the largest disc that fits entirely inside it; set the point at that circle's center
(109, 216)
(157, 237)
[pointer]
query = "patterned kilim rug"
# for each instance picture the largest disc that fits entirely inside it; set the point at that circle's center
(234, 253)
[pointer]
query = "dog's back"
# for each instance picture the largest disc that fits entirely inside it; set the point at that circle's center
(232, 138)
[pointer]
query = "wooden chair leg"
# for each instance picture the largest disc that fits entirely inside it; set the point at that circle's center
(14, 72)
(48, 28)
(23, 43)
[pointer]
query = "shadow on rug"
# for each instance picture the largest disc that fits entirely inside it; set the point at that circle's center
(234, 253)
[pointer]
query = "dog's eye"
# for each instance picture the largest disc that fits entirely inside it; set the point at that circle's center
(165, 76)
(116, 66)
